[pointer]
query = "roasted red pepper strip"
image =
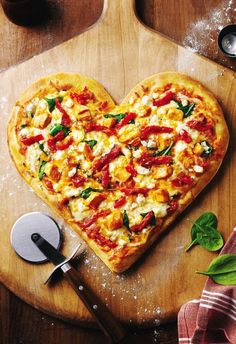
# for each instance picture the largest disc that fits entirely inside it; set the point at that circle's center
(128, 117)
(130, 168)
(94, 204)
(105, 176)
(98, 127)
(88, 152)
(183, 135)
(88, 221)
(55, 174)
(173, 206)
(147, 160)
(144, 223)
(154, 129)
(65, 119)
(28, 141)
(106, 159)
(48, 184)
(135, 191)
(93, 233)
(119, 202)
(182, 180)
(52, 142)
(78, 180)
(200, 126)
(164, 100)
(83, 97)
(64, 145)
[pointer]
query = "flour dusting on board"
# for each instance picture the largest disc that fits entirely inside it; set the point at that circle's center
(201, 36)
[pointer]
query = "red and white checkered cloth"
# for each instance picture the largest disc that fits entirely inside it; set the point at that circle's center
(211, 319)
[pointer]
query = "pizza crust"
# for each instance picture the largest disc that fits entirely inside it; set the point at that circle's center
(117, 262)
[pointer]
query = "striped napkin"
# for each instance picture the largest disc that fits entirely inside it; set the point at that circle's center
(211, 319)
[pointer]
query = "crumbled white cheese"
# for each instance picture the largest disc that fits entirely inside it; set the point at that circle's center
(142, 170)
(155, 95)
(30, 107)
(140, 199)
(151, 143)
(180, 146)
(71, 192)
(137, 153)
(133, 205)
(145, 100)
(59, 155)
(69, 103)
(32, 157)
(42, 104)
(122, 242)
(198, 169)
(126, 152)
(72, 172)
(78, 135)
(78, 209)
(184, 102)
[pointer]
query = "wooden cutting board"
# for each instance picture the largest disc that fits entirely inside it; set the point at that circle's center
(118, 51)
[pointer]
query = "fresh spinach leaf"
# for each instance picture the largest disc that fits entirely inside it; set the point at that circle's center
(86, 193)
(42, 166)
(41, 146)
(52, 102)
(187, 109)
(59, 127)
(204, 232)
(91, 143)
(165, 151)
(125, 220)
(222, 269)
(207, 148)
(118, 117)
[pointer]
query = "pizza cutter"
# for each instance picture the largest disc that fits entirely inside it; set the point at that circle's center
(36, 238)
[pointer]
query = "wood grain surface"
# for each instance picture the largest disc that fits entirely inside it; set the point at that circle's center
(23, 329)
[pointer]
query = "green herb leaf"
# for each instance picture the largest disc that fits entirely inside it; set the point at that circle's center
(86, 193)
(187, 109)
(91, 143)
(153, 220)
(207, 148)
(118, 117)
(23, 126)
(204, 232)
(52, 102)
(222, 269)
(165, 151)
(59, 127)
(42, 166)
(125, 219)
(41, 146)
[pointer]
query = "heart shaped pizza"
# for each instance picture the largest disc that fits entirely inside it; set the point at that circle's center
(117, 174)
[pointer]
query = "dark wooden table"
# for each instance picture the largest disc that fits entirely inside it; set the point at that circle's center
(192, 23)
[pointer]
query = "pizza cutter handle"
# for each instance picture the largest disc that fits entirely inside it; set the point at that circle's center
(106, 321)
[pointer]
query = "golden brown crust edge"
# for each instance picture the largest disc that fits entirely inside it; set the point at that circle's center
(116, 263)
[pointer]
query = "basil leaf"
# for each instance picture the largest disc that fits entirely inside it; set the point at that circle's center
(52, 102)
(23, 126)
(59, 127)
(125, 219)
(91, 143)
(187, 109)
(86, 193)
(222, 269)
(132, 121)
(165, 151)
(118, 117)
(42, 166)
(153, 220)
(204, 232)
(207, 148)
